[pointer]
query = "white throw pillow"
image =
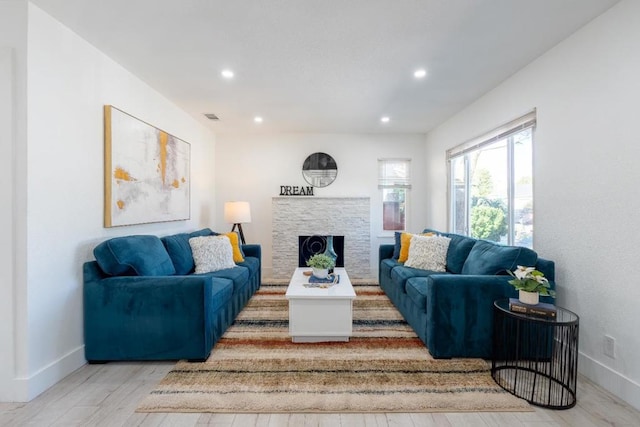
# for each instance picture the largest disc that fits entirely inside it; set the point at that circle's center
(211, 253)
(428, 253)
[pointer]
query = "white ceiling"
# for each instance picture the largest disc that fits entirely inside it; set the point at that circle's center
(324, 65)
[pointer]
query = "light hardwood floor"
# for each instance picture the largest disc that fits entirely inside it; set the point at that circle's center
(107, 395)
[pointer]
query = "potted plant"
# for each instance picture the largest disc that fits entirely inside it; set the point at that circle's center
(321, 263)
(530, 284)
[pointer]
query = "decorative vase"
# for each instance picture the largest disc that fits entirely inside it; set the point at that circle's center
(321, 273)
(531, 298)
(330, 252)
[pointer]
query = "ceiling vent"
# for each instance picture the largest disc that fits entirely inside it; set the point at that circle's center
(211, 116)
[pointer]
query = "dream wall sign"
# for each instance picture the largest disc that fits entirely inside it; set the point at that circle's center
(146, 172)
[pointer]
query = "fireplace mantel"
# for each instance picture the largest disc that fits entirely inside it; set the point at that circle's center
(345, 216)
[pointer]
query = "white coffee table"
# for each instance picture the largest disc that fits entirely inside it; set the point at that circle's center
(320, 314)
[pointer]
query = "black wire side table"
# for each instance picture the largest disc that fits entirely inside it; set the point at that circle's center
(536, 358)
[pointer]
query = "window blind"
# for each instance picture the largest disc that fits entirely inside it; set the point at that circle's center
(501, 132)
(394, 173)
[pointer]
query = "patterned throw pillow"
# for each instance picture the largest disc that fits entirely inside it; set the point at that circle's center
(211, 253)
(405, 241)
(428, 253)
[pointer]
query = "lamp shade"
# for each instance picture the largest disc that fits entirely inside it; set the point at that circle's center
(237, 212)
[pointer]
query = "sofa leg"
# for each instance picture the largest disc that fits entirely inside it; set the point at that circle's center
(97, 362)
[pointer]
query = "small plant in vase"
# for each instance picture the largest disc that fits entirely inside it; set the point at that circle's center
(321, 263)
(530, 284)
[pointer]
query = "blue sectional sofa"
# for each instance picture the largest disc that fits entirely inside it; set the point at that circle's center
(143, 301)
(452, 312)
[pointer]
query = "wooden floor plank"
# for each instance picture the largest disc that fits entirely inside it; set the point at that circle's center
(430, 420)
(401, 420)
(107, 395)
(221, 420)
(328, 420)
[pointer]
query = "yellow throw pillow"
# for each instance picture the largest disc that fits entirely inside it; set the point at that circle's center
(405, 241)
(235, 244)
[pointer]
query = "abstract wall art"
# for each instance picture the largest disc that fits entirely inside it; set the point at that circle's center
(146, 172)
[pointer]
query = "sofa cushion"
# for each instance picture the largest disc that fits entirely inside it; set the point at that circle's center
(252, 263)
(221, 292)
(211, 253)
(386, 265)
(401, 274)
(179, 249)
(238, 275)
(417, 292)
(488, 258)
(142, 255)
(428, 253)
(459, 249)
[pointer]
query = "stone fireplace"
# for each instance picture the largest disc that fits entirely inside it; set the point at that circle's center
(306, 216)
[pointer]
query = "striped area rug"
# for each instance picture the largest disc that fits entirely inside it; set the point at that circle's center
(384, 367)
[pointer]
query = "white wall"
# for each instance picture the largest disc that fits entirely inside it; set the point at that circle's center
(586, 92)
(13, 60)
(6, 222)
(69, 81)
(252, 167)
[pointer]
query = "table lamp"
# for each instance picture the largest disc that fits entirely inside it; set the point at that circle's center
(237, 213)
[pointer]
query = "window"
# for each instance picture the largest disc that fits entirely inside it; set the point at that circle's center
(394, 179)
(491, 184)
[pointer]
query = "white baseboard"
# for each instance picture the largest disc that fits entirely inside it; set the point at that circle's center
(612, 381)
(26, 389)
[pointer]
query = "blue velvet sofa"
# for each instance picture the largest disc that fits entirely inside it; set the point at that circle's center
(452, 312)
(143, 301)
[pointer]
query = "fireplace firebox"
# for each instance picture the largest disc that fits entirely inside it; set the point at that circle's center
(311, 245)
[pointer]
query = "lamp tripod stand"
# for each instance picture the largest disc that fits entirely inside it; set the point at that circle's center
(237, 213)
(239, 231)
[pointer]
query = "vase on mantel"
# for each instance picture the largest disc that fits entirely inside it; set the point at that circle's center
(330, 252)
(530, 298)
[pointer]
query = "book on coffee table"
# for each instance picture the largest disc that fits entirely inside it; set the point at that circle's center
(541, 309)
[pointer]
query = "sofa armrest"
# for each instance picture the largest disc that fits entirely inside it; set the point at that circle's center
(385, 251)
(548, 268)
(253, 251)
(147, 317)
(460, 313)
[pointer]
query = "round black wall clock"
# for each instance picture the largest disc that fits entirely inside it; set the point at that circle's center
(319, 169)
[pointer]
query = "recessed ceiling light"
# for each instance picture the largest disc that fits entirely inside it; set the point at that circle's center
(227, 74)
(385, 119)
(419, 74)
(257, 119)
